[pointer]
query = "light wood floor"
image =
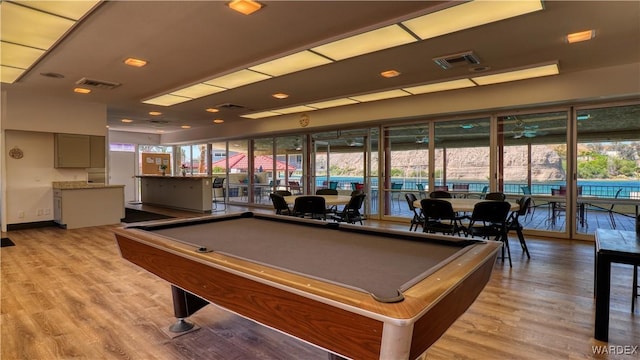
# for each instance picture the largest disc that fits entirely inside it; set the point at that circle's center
(68, 294)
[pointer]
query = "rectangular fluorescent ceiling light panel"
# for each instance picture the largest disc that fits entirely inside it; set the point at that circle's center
(468, 15)
(260, 115)
(539, 71)
(441, 86)
(291, 63)
(332, 103)
(166, 100)
(237, 79)
(21, 25)
(18, 56)
(293, 109)
(70, 9)
(197, 91)
(390, 94)
(379, 39)
(9, 74)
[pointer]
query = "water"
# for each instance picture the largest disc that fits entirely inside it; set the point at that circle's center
(600, 188)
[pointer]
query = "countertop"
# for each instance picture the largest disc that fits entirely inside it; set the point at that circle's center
(187, 177)
(79, 185)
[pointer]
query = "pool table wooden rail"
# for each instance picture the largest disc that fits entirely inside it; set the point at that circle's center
(339, 319)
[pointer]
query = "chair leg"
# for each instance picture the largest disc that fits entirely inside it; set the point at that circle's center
(505, 241)
(523, 244)
(612, 219)
(634, 292)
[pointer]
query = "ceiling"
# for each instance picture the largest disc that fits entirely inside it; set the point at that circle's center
(186, 42)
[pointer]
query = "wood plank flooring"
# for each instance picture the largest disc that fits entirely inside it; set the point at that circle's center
(68, 294)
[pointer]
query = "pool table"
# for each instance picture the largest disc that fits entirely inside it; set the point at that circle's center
(355, 291)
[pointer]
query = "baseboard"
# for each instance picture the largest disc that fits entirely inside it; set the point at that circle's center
(31, 225)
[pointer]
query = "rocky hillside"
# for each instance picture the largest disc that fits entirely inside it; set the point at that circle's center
(463, 164)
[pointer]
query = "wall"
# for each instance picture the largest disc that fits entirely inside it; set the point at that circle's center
(28, 122)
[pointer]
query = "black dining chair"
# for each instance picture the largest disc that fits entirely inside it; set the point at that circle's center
(283, 192)
(312, 206)
(326, 192)
(489, 220)
(351, 212)
(440, 194)
(513, 222)
(495, 196)
(279, 204)
(439, 217)
(418, 219)
(218, 187)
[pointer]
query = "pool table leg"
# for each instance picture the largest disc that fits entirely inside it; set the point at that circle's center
(184, 305)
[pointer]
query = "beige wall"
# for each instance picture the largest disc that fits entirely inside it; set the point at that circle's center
(28, 122)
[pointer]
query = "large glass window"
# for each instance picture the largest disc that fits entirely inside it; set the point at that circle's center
(263, 170)
(532, 160)
(608, 148)
(193, 159)
(340, 160)
(238, 170)
(406, 167)
(289, 168)
(462, 156)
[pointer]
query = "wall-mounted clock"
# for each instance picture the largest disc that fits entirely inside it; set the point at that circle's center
(304, 120)
(16, 153)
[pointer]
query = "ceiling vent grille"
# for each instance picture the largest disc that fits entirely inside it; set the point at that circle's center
(464, 58)
(230, 106)
(100, 84)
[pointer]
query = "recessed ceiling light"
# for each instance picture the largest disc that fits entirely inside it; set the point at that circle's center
(186, 126)
(81, 90)
(581, 36)
(135, 62)
(155, 113)
(212, 110)
(218, 121)
(280, 95)
(390, 73)
(126, 120)
(246, 7)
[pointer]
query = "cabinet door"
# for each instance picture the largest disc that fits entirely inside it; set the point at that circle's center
(72, 151)
(98, 153)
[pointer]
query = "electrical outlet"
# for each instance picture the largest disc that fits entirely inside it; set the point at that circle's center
(47, 211)
(39, 212)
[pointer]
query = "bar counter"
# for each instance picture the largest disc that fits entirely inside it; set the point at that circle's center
(192, 193)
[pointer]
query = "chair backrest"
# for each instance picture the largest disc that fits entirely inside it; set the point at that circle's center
(494, 212)
(218, 182)
(440, 194)
(495, 196)
(294, 185)
(420, 187)
(333, 185)
(484, 191)
(279, 202)
(441, 188)
(526, 190)
(310, 204)
(326, 192)
(356, 192)
(283, 192)
(354, 205)
(396, 186)
(410, 199)
(525, 203)
(558, 192)
(437, 209)
(460, 186)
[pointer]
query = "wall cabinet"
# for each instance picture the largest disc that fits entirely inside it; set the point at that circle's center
(79, 151)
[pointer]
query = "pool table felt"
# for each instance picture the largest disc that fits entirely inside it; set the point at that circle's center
(380, 265)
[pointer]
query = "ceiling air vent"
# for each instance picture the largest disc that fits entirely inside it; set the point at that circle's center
(464, 58)
(230, 106)
(100, 84)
